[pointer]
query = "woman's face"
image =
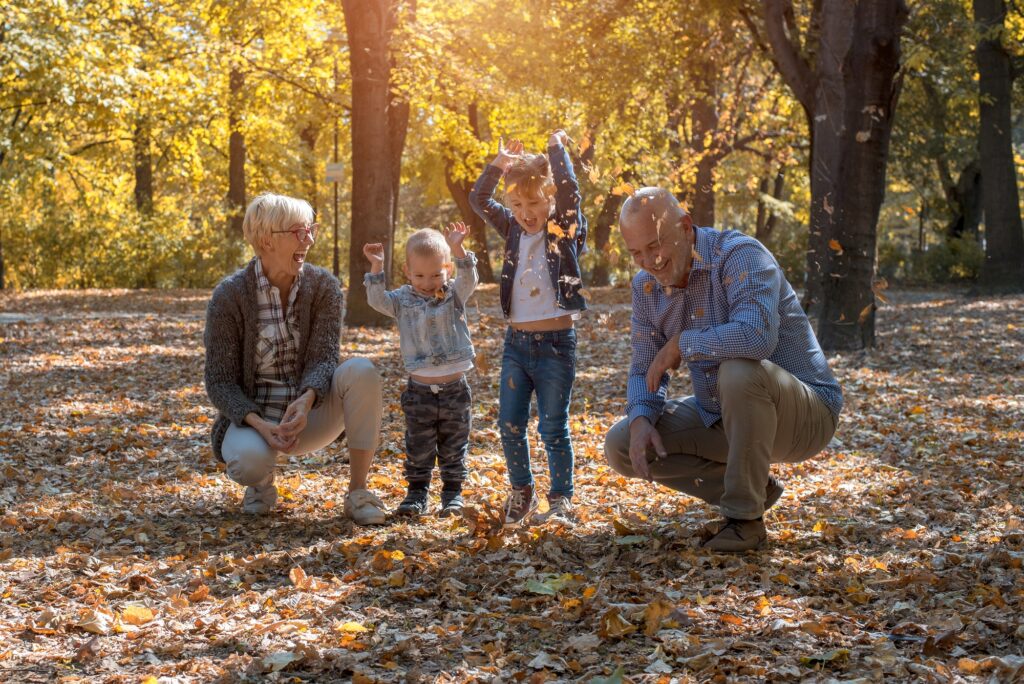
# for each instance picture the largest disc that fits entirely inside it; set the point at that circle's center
(286, 249)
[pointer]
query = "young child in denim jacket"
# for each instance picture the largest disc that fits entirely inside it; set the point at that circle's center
(437, 352)
(545, 232)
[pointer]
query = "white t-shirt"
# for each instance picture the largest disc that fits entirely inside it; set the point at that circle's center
(533, 295)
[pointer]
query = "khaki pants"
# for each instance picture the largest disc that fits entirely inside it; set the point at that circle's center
(353, 404)
(768, 416)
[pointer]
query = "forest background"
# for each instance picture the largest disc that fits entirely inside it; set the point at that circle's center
(133, 133)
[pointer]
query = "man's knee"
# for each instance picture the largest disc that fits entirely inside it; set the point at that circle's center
(616, 448)
(736, 375)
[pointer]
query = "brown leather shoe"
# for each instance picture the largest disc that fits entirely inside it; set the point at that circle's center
(738, 535)
(773, 492)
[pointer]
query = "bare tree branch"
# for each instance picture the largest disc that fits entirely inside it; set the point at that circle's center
(795, 70)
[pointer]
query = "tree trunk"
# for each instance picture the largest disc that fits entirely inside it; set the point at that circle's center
(369, 24)
(477, 227)
(705, 126)
(965, 202)
(964, 194)
(1004, 241)
(309, 134)
(608, 218)
(459, 190)
(849, 95)
(398, 125)
(236, 198)
(143, 166)
(766, 218)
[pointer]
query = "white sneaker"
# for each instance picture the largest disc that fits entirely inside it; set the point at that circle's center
(260, 500)
(364, 508)
(560, 509)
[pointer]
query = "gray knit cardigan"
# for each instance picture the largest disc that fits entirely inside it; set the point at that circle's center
(231, 334)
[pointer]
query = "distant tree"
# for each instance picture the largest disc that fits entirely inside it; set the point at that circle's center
(1004, 240)
(375, 133)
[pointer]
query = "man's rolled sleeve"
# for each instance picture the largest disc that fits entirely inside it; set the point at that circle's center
(645, 342)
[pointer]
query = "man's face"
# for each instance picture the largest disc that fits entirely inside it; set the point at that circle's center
(661, 245)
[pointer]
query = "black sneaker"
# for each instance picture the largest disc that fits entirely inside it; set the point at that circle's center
(451, 504)
(414, 504)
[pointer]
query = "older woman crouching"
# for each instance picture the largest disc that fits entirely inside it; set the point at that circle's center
(272, 333)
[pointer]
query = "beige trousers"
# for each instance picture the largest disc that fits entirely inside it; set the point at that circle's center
(768, 416)
(354, 404)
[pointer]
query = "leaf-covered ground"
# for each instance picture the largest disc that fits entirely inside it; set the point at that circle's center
(124, 557)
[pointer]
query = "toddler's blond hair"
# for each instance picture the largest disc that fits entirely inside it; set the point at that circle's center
(428, 242)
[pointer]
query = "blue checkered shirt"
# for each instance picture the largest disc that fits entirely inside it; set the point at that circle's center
(736, 305)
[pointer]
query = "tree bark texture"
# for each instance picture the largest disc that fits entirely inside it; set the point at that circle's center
(705, 126)
(236, 198)
(309, 134)
(1004, 241)
(369, 26)
(849, 93)
(142, 142)
(606, 220)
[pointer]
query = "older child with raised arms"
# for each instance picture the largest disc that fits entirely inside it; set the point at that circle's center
(545, 233)
(437, 352)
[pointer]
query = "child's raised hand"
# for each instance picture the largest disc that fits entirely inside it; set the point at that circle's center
(559, 137)
(374, 252)
(507, 155)
(454, 235)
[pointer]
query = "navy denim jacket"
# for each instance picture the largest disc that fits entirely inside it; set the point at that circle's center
(432, 330)
(565, 245)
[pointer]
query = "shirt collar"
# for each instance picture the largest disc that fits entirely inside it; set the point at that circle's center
(702, 247)
(263, 282)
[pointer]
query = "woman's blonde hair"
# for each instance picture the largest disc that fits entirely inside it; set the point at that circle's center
(530, 176)
(268, 211)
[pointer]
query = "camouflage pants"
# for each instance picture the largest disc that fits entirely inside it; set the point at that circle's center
(436, 430)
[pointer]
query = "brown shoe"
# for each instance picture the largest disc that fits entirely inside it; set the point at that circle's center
(773, 492)
(520, 505)
(738, 535)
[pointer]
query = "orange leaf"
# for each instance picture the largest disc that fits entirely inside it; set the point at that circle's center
(835, 246)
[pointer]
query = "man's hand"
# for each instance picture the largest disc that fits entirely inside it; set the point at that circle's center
(454, 236)
(295, 417)
(374, 252)
(644, 436)
(559, 137)
(667, 358)
(507, 155)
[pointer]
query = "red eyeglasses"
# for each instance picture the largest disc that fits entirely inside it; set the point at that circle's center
(302, 231)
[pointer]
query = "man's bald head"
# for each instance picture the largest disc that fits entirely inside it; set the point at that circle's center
(649, 206)
(658, 234)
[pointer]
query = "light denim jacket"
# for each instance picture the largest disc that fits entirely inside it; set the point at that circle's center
(433, 330)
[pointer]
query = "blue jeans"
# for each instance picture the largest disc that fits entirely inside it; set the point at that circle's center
(545, 363)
